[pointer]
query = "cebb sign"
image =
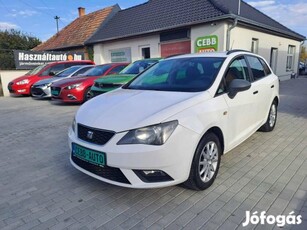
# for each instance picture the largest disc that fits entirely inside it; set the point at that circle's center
(206, 44)
(31, 59)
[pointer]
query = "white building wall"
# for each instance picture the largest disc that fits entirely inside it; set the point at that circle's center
(102, 51)
(241, 38)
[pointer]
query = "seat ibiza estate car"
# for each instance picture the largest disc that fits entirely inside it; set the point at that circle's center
(172, 123)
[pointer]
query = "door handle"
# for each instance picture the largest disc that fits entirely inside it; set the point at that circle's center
(255, 92)
(272, 86)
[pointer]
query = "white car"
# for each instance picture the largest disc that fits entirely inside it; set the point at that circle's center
(172, 123)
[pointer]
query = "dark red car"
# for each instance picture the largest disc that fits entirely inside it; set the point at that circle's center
(22, 85)
(76, 89)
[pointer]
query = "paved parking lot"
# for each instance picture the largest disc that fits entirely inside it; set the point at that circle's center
(39, 189)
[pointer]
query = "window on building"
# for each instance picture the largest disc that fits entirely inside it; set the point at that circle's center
(255, 45)
(290, 58)
(146, 52)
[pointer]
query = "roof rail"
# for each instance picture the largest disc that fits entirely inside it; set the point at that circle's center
(236, 50)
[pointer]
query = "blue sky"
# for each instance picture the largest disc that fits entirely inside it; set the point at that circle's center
(36, 17)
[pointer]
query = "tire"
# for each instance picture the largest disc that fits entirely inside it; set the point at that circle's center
(87, 96)
(271, 119)
(206, 159)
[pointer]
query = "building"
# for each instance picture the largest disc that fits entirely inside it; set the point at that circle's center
(159, 28)
(73, 36)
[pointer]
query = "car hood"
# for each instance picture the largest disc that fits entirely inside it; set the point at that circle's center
(120, 78)
(22, 78)
(46, 81)
(70, 81)
(125, 109)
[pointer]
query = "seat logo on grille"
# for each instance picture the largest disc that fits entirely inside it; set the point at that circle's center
(90, 135)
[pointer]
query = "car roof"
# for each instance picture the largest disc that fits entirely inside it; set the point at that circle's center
(223, 54)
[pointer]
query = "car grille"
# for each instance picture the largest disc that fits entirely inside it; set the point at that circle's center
(110, 173)
(37, 91)
(55, 91)
(106, 85)
(95, 136)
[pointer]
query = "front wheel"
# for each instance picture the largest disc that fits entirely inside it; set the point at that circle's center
(205, 164)
(271, 119)
(87, 95)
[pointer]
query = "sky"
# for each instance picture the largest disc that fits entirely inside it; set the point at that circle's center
(36, 17)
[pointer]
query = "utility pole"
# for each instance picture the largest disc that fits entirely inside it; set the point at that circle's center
(57, 23)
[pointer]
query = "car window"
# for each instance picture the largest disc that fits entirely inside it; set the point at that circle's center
(266, 67)
(138, 66)
(81, 71)
(97, 70)
(55, 69)
(117, 69)
(237, 70)
(256, 67)
(184, 74)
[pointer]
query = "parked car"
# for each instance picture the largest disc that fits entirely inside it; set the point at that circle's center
(77, 89)
(172, 123)
(41, 89)
(106, 84)
(22, 85)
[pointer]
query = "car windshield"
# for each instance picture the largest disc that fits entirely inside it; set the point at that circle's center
(67, 71)
(191, 74)
(137, 67)
(97, 71)
(36, 69)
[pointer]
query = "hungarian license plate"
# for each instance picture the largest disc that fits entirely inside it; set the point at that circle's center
(55, 92)
(89, 155)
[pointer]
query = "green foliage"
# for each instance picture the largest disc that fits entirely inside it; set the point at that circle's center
(303, 54)
(14, 40)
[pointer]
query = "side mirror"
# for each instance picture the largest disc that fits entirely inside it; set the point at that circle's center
(51, 73)
(238, 85)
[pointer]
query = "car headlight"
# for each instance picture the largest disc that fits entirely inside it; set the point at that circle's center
(74, 125)
(23, 82)
(151, 135)
(73, 86)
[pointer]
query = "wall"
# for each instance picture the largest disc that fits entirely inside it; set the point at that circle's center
(6, 76)
(218, 29)
(241, 38)
(102, 51)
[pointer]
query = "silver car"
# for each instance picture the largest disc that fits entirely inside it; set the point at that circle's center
(41, 89)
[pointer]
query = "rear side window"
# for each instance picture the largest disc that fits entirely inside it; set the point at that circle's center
(55, 69)
(256, 67)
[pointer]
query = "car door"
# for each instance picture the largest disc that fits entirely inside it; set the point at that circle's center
(241, 109)
(264, 83)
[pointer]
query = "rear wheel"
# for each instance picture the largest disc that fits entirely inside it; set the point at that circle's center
(205, 164)
(271, 119)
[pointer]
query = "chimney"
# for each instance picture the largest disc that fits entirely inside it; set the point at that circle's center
(81, 11)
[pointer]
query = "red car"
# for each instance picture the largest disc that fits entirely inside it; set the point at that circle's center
(76, 89)
(22, 85)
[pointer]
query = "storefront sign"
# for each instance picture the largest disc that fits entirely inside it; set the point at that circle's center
(121, 55)
(174, 48)
(31, 59)
(206, 44)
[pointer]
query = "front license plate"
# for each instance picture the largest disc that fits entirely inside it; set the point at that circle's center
(89, 155)
(55, 92)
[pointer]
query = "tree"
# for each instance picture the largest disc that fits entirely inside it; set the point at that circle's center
(14, 40)
(303, 54)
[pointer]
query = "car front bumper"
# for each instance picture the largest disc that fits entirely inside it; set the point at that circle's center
(133, 163)
(41, 91)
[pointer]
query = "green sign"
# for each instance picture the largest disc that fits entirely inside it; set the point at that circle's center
(121, 55)
(206, 44)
